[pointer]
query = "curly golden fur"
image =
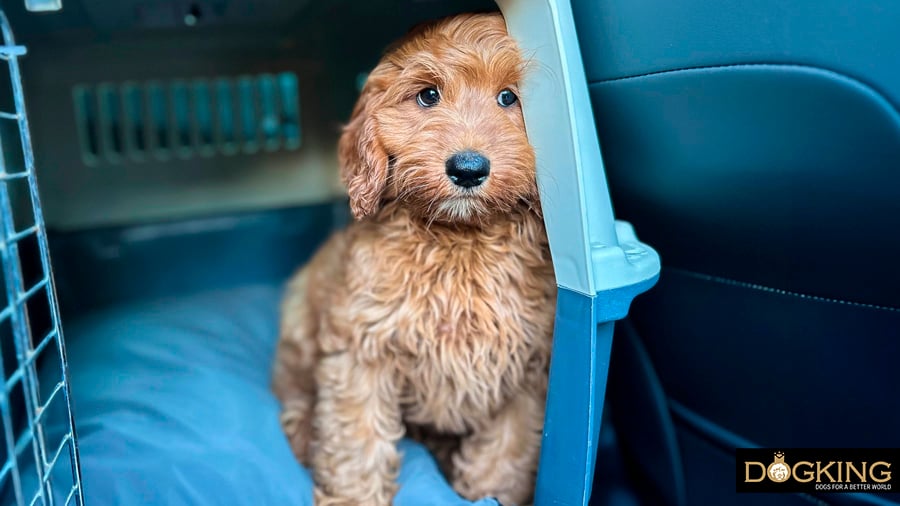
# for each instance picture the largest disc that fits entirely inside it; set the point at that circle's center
(431, 315)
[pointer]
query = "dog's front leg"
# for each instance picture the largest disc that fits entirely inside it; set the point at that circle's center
(357, 424)
(500, 458)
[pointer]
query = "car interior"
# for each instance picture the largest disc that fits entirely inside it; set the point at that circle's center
(185, 153)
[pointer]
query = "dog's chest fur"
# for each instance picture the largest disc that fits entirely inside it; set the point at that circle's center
(464, 315)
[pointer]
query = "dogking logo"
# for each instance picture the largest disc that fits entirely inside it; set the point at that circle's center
(778, 471)
(816, 470)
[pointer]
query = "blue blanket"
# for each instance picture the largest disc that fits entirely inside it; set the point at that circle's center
(173, 407)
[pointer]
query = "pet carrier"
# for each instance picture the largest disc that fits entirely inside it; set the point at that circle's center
(169, 252)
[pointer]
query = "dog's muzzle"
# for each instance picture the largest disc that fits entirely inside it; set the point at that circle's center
(468, 169)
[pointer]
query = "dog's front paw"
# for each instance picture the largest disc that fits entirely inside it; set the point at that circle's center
(502, 493)
(323, 499)
(474, 493)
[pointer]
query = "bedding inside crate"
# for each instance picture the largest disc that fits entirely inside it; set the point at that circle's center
(173, 406)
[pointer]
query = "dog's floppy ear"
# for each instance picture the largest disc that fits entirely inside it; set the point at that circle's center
(362, 158)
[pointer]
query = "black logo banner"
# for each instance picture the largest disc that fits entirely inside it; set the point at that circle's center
(817, 470)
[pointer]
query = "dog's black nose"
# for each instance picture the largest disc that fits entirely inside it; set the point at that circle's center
(468, 169)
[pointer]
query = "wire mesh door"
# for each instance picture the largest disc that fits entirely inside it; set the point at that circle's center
(39, 446)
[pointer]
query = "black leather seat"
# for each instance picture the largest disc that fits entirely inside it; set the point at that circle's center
(756, 146)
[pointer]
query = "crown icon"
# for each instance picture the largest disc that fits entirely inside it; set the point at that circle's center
(779, 456)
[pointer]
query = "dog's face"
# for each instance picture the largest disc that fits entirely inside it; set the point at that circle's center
(439, 128)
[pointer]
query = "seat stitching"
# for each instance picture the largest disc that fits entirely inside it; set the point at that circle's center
(779, 291)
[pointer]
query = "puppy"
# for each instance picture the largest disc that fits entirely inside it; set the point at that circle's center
(432, 314)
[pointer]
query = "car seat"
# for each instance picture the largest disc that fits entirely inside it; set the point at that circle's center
(756, 146)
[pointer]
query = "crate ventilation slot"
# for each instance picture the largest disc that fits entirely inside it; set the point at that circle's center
(187, 118)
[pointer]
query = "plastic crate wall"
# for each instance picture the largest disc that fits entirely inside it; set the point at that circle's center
(30, 332)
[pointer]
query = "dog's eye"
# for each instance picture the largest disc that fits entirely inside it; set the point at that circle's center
(507, 98)
(429, 97)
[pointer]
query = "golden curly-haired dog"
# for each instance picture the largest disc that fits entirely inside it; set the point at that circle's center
(431, 315)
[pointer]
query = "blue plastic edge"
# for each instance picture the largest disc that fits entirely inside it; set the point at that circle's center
(579, 368)
(613, 304)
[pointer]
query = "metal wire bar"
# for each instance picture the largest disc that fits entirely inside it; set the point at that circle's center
(27, 348)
